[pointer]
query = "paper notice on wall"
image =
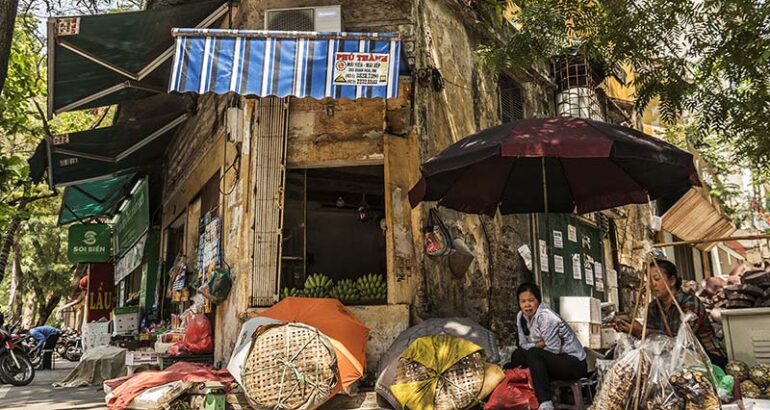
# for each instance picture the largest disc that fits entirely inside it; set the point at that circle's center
(572, 233)
(599, 276)
(589, 270)
(526, 254)
(558, 240)
(558, 264)
(543, 256)
(367, 69)
(577, 267)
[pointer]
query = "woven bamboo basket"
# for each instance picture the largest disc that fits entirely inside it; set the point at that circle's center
(289, 366)
(458, 388)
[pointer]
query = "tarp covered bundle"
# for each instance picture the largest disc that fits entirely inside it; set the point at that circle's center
(461, 336)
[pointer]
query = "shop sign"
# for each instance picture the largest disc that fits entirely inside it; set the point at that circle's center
(101, 291)
(89, 243)
(365, 69)
(131, 260)
(133, 220)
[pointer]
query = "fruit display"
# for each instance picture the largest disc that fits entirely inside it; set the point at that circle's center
(292, 292)
(318, 286)
(750, 390)
(739, 370)
(760, 375)
(372, 287)
(346, 291)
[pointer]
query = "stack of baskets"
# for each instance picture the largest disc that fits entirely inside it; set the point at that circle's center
(290, 366)
(457, 388)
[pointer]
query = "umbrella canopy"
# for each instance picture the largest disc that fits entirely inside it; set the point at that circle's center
(585, 165)
(459, 327)
(347, 334)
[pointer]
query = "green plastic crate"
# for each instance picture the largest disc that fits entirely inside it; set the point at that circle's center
(214, 402)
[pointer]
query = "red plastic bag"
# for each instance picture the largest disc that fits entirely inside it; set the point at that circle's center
(197, 337)
(516, 392)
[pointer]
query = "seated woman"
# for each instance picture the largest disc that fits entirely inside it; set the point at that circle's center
(547, 345)
(663, 317)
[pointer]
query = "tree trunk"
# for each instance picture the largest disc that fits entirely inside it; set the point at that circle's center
(9, 238)
(16, 294)
(45, 306)
(7, 20)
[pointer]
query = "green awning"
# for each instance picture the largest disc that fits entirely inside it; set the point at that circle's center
(95, 61)
(93, 199)
(103, 152)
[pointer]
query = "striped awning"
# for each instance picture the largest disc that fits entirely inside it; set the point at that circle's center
(280, 63)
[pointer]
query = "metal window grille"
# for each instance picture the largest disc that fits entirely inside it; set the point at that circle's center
(291, 20)
(510, 100)
(576, 82)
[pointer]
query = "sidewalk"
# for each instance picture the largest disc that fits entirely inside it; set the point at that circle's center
(40, 395)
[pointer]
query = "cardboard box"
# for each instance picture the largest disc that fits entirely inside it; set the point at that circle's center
(589, 334)
(580, 309)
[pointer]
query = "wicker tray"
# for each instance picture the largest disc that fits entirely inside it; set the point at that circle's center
(289, 366)
(458, 387)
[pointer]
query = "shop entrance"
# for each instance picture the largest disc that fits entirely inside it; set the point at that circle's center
(333, 226)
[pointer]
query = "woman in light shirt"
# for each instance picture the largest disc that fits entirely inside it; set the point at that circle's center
(547, 345)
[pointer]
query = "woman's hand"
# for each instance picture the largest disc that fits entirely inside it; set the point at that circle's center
(540, 344)
(625, 327)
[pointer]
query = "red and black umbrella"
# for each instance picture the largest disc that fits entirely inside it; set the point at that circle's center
(560, 165)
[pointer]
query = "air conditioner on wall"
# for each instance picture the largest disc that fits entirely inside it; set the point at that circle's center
(321, 19)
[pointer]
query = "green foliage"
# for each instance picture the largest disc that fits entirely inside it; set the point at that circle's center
(706, 59)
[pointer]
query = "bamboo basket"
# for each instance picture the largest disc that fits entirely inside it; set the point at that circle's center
(289, 366)
(457, 388)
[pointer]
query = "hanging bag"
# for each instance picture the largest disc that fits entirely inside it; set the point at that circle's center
(438, 239)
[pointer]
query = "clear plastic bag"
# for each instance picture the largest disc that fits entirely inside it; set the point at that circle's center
(658, 394)
(620, 382)
(625, 344)
(690, 374)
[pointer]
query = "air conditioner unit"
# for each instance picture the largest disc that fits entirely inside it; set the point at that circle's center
(321, 19)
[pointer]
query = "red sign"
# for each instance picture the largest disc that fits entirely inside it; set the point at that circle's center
(101, 291)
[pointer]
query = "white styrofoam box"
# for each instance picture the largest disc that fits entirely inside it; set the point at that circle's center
(747, 336)
(137, 358)
(97, 327)
(126, 323)
(580, 309)
(589, 334)
(162, 348)
(92, 340)
(609, 337)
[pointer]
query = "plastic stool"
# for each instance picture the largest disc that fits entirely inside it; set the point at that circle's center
(578, 389)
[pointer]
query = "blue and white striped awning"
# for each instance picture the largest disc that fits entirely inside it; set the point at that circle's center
(278, 63)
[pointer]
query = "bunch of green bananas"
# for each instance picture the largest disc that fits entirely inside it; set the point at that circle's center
(372, 287)
(346, 291)
(318, 286)
(291, 292)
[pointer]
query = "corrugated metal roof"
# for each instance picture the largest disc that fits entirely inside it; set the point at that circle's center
(693, 217)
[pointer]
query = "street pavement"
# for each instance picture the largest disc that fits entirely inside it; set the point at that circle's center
(40, 394)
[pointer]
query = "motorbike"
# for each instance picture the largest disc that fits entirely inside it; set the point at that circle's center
(69, 345)
(15, 366)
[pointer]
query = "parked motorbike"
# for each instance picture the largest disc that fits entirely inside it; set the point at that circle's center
(70, 346)
(15, 366)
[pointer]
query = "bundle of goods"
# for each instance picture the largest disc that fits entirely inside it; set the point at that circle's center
(742, 296)
(758, 383)
(346, 291)
(444, 373)
(737, 369)
(289, 366)
(620, 382)
(758, 282)
(368, 288)
(659, 394)
(696, 388)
